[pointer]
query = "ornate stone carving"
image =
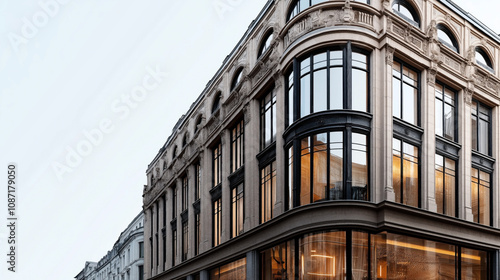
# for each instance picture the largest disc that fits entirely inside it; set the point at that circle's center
(469, 91)
(431, 76)
(389, 55)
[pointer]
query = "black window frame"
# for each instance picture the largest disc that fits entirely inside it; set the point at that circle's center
(237, 197)
(265, 43)
(490, 193)
(454, 42)
(347, 160)
(217, 164)
(174, 201)
(443, 88)
(267, 178)
(197, 233)
(489, 65)
(264, 109)
(237, 77)
(216, 215)
(418, 87)
(174, 245)
(489, 121)
(185, 241)
(292, 99)
(237, 151)
(419, 172)
(416, 18)
(197, 181)
(456, 197)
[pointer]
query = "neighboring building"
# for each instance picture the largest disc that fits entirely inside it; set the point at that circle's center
(125, 261)
(339, 140)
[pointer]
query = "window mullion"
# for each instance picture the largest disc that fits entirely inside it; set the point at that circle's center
(328, 165)
(311, 85)
(311, 170)
(348, 162)
(328, 80)
(348, 76)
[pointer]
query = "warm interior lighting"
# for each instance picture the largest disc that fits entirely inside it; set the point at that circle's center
(326, 262)
(429, 249)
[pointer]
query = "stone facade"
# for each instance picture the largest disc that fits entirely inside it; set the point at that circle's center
(388, 38)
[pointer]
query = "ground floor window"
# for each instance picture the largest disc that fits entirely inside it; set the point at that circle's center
(353, 254)
(236, 270)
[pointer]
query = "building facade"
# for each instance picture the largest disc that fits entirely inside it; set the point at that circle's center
(125, 261)
(339, 140)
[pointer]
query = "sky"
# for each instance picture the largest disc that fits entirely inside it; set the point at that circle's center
(89, 92)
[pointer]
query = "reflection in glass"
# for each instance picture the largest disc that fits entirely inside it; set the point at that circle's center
(474, 264)
(405, 93)
(320, 158)
(359, 167)
(236, 270)
(278, 262)
(322, 256)
(405, 173)
(305, 171)
(267, 192)
(480, 195)
(445, 185)
(481, 130)
(237, 203)
(336, 165)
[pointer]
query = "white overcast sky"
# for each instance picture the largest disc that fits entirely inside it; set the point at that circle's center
(68, 76)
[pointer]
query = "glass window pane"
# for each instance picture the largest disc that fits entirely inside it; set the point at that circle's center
(450, 187)
(474, 132)
(319, 61)
(396, 169)
(305, 172)
(439, 117)
(336, 58)
(449, 122)
(278, 262)
(320, 86)
(320, 157)
(359, 60)
(305, 96)
(336, 88)
(359, 167)
(359, 90)
(336, 166)
(474, 264)
(360, 255)
(409, 104)
(439, 184)
(290, 178)
(396, 98)
(483, 137)
(475, 194)
(322, 256)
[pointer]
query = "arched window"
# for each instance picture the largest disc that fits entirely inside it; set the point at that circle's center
(483, 59)
(237, 78)
(197, 124)
(174, 153)
(446, 37)
(184, 140)
(406, 11)
(300, 5)
(265, 43)
(216, 104)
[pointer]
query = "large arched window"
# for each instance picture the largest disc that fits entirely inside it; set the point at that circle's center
(483, 59)
(332, 79)
(446, 37)
(265, 43)
(216, 104)
(406, 11)
(236, 78)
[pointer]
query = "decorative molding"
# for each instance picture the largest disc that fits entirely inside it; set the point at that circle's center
(469, 91)
(326, 18)
(389, 55)
(247, 114)
(431, 75)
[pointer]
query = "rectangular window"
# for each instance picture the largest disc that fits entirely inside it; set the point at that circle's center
(217, 222)
(237, 146)
(185, 241)
(237, 211)
(480, 195)
(217, 164)
(405, 93)
(174, 202)
(197, 234)
(481, 128)
(140, 272)
(197, 181)
(141, 250)
(445, 112)
(184, 193)
(405, 172)
(268, 120)
(174, 246)
(267, 192)
(445, 188)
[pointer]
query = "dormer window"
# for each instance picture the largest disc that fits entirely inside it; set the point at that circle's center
(300, 5)
(406, 11)
(483, 59)
(236, 78)
(446, 37)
